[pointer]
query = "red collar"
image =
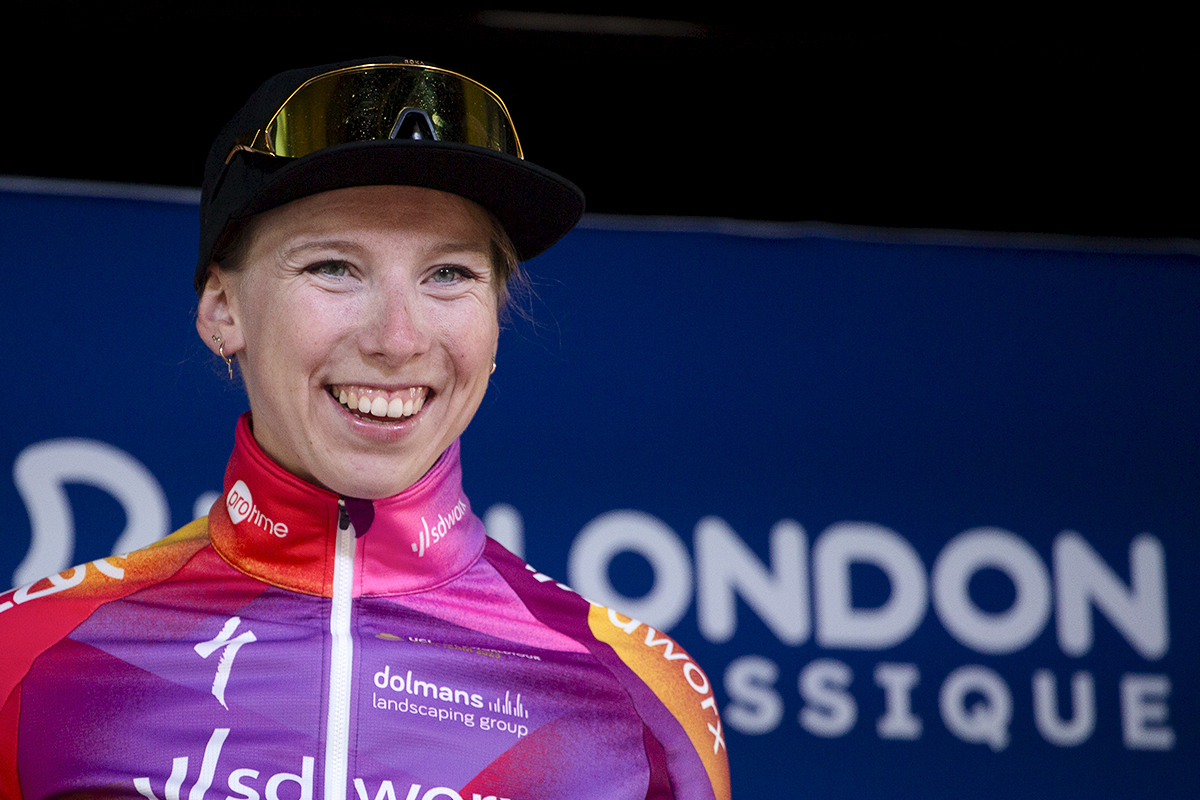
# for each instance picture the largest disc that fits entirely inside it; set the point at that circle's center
(282, 530)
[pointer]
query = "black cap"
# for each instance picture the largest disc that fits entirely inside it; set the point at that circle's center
(535, 206)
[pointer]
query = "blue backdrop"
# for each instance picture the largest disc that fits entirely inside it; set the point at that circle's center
(923, 505)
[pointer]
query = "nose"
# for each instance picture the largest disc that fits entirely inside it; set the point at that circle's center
(395, 330)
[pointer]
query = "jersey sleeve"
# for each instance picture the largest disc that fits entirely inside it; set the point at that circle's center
(681, 730)
(33, 618)
(690, 731)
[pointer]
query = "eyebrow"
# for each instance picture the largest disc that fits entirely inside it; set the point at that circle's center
(321, 244)
(352, 246)
(462, 247)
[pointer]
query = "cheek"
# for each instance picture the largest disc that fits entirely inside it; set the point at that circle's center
(474, 354)
(471, 334)
(286, 340)
(490, 342)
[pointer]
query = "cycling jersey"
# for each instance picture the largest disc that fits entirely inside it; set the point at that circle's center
(298, 645)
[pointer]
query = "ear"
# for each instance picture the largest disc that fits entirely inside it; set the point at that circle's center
(217, 315)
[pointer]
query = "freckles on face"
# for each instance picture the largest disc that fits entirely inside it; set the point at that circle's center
(368, 317)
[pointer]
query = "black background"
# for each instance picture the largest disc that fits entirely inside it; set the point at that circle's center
(977, 122)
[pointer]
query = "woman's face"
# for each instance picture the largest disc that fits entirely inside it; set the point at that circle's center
(364, 321)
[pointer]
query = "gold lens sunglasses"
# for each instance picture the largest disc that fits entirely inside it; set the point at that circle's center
(376, 102)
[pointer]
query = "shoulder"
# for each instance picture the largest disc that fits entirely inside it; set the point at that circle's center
(682, 688)
(40, 616)
(106, 578)
(672, 694)
(35, 616)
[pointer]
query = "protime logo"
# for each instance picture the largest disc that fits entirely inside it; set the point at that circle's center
(241, 507)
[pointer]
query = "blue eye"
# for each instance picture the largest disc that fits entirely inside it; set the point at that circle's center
(333, 269)
(449, 274)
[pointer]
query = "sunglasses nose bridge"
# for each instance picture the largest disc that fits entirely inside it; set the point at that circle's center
(413, 123)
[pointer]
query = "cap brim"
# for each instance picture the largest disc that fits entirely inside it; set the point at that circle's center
(535, 206)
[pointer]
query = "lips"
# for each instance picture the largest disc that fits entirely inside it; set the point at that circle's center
(380, 404)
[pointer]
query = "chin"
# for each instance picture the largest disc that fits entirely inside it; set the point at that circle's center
(373, 478)
(355, 486)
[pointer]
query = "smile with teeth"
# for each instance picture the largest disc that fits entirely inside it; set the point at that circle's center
(380, 404)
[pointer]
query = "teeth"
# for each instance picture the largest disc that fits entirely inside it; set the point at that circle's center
(378, 405)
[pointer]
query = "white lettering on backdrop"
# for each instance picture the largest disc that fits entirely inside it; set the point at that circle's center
(974, 701)
(41, 473)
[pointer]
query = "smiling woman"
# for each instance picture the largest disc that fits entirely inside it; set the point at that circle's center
(360, 223)
(365, 324)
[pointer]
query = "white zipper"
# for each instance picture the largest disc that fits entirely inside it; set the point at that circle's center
(341, 660)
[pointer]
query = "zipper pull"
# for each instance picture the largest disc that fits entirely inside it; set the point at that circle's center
(343, 515)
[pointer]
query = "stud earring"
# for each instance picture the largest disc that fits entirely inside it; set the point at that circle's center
(493, 365)
(229, 359)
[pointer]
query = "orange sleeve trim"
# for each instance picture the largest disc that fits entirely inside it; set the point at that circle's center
(35, 616)
(676, 680)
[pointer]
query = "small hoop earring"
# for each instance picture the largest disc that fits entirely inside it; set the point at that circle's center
(493, 365)
(229, 359)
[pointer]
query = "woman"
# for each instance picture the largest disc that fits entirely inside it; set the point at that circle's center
(340, 626)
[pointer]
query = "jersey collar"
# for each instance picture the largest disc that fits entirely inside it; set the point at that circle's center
(282, 530)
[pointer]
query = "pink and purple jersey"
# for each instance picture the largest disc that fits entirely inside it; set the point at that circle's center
(298, 645)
